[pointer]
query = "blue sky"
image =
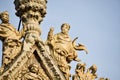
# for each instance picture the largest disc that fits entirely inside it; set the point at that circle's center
(95, 22)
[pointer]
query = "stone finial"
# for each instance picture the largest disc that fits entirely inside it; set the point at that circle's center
(31, 13)
(36, 6)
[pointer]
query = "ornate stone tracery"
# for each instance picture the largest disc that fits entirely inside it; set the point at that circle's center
(34, 59)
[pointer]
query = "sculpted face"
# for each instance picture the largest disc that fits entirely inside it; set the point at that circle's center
(5, 17)
(65, 28)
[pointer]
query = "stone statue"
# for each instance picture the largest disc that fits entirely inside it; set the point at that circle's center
(63, 44)
(10, 38)
(64, 48)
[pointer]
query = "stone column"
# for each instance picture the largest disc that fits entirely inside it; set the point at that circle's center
(31, 13)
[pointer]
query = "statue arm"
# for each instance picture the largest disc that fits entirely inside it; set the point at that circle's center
(79, 46)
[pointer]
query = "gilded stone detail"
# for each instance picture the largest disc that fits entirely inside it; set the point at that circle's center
(83, 74)
(10, 38)
(64, 49)
(27, 57)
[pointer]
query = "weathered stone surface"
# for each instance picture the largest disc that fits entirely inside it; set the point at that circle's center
(63, 48)
(33, 59)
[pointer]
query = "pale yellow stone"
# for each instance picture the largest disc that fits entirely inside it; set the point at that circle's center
(33, 59)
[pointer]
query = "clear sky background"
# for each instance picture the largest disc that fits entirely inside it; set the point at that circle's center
(95, 22)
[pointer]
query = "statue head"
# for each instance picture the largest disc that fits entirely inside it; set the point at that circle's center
(4, 16)
(65, 27)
